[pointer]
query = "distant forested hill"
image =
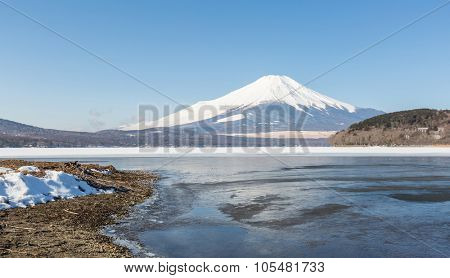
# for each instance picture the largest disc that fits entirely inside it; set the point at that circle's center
(405, 128)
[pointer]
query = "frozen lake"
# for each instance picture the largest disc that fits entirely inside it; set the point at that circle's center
(291, 206)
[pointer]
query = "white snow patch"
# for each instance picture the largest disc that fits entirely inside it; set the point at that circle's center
(20, 190)
(232, 118)
(31, 169)
(104, 172)
(4, 170)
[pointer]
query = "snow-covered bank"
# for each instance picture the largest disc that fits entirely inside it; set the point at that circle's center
(4, 170)
(18, 189)
(222, 151)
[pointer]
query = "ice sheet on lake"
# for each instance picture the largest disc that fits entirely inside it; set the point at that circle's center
(222, 151)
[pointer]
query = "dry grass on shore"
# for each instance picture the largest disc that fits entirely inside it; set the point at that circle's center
(71, 228)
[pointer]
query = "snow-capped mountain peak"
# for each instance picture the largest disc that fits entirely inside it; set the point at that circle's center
(279, 89)
(266, 91)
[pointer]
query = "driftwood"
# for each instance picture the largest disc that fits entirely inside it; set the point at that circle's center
(71, 212)
(24, 228)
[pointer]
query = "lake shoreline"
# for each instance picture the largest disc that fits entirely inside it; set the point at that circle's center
(73, 227)
(75, 153)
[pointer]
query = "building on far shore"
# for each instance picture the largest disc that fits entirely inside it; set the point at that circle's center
(422, 129)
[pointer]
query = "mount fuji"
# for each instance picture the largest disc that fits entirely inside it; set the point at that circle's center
(271, 103)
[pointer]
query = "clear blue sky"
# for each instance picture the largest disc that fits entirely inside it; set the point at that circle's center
(199, 50)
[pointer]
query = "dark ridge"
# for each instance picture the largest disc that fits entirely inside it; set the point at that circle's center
(419, 118)
(406, 128)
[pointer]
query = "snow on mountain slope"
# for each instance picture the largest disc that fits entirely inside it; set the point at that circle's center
(267, 90)
(232, 118)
